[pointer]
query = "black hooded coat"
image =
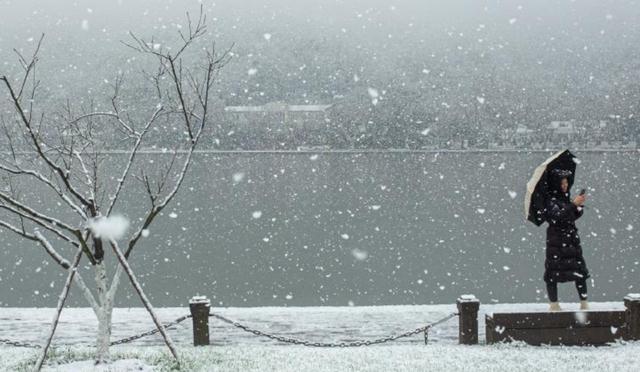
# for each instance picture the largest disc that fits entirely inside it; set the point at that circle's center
(564, 261)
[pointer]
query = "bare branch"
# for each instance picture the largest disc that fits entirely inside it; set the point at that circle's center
(19, 171)
(132, 155)
(155, 210)
(22, 215)
(65, 264)
(89, 181)
(28, 66)
(63, 174)
(116, 116)
(32, 212)
(18, 231)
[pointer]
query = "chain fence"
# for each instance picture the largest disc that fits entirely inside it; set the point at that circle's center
(424, 330)
(125, 340)
(149, 333)
(294, 341)
(19, 344)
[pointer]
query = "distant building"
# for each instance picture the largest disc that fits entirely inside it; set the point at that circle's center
(277, 125)
(563, 128)
(277, 116)
(523, 135)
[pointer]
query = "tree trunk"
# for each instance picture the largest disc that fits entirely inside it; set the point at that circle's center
(103, 338)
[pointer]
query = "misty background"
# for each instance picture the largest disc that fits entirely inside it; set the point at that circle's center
(396, 74)
(317, 227)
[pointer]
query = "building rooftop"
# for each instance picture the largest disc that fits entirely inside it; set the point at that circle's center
(278, 107)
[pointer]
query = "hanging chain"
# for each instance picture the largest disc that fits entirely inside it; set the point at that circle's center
(117, 342)
(149, 333)
(294, 341)
(259, 333)
(19, 344)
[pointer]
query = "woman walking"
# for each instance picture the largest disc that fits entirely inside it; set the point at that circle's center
(564, 261)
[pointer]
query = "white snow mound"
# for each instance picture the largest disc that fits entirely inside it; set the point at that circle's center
(122, 365)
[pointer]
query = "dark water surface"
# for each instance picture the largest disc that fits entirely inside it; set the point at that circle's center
(374, 228)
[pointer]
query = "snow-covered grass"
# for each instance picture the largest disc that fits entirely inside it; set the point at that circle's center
(513, 357)
(81, 359)
(235, 350)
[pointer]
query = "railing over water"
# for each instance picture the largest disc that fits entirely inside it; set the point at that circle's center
(561, 328)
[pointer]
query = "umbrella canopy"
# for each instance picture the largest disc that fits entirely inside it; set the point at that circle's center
(538, 185)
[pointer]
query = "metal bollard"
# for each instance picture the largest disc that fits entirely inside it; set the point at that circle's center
(468, 306)
(199, 306)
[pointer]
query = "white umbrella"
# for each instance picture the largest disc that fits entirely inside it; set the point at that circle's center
(537, 185)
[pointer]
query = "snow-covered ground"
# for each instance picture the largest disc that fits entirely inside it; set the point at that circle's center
(237, 350)
(619, 358)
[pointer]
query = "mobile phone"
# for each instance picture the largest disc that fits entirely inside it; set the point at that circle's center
(583, 191)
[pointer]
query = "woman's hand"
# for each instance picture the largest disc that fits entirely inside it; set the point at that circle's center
(579, 200)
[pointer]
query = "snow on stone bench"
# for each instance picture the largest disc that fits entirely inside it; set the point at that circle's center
(556, 328)
(593, 327)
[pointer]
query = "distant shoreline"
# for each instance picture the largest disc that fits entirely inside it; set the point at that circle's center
(353, 151)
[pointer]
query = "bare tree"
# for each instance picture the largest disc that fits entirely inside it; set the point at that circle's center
(63, 156)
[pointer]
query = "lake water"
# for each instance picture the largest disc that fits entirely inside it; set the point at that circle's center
(286, 229)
